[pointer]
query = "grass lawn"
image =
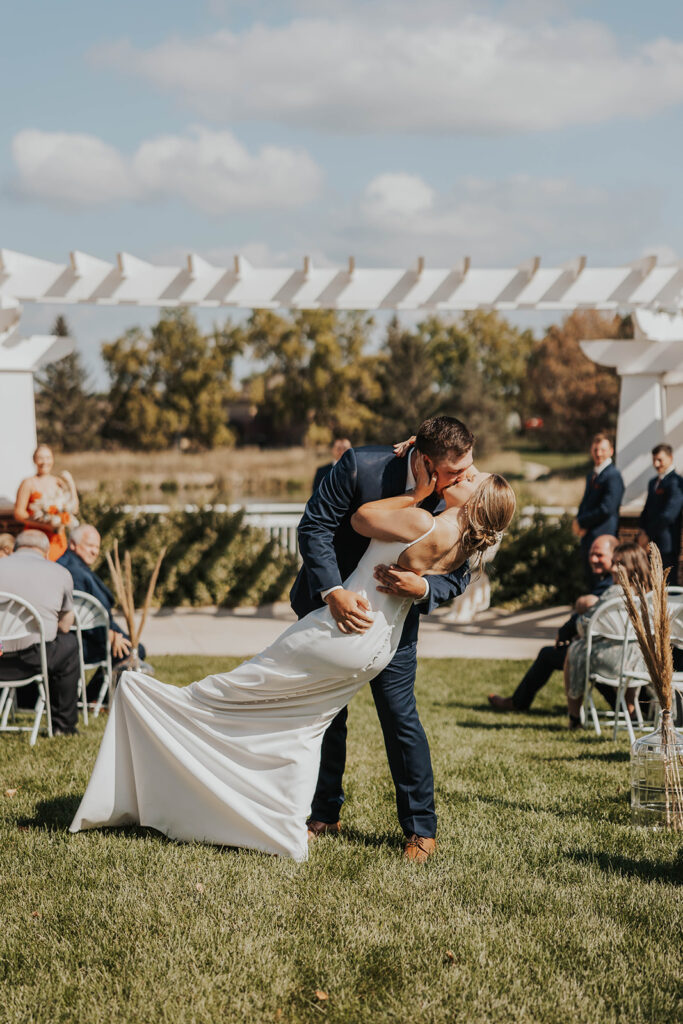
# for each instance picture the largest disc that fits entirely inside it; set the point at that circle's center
(543, 904)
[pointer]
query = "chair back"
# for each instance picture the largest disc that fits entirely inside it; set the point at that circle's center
(89, 612)
(609, 621)
(18, 618)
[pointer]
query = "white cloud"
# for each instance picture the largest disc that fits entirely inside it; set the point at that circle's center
(73, 169)
(445, 72)
(498, 222)
(390, 195)
(210, 170)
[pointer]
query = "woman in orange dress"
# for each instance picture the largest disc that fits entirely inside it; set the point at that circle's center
(47, 502)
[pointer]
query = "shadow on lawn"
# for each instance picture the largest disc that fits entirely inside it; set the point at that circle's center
(55, 814)
(644, 867)
(507, 724)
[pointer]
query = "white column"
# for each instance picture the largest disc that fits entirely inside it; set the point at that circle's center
(18, 432)
(19, 359)
(651, 398)
(641, 426)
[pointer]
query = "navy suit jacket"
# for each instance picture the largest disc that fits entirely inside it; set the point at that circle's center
(661, 515)
(85, 579)
(331, 548)
(599, 508)
(320, 474)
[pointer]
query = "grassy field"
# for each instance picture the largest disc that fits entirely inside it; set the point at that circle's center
(231, 474)
(542, 905)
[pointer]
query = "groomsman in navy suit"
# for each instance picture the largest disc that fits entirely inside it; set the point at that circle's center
(660, 520)
(331, 550)
(599, 509)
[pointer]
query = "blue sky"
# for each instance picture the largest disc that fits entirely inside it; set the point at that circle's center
(375, 129)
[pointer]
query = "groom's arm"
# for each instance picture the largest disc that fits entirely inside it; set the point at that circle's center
(325, 510)
(445, 588)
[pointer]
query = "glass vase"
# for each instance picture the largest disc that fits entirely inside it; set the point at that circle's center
(656, 769)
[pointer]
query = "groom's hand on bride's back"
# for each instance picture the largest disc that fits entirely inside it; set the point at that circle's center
(351, 611)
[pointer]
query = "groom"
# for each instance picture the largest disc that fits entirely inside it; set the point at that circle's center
(331, 550)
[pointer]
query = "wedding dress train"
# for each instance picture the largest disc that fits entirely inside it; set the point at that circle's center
(233, 759)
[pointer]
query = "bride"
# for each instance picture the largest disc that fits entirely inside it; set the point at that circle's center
(233, 759)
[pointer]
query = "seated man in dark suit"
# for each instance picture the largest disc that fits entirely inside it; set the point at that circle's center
(79, 558)
(339, 446)
(660, 520)
(551, 659)
(29, 574)
(331, 550)
(599, 509)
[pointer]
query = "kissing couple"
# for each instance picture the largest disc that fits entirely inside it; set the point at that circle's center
(242, 758)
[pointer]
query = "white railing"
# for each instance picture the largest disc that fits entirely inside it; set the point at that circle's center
(279, 519)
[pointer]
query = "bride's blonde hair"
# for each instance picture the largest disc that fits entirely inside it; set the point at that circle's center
(489, 512)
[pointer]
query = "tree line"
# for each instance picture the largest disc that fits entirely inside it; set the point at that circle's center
(321, 373)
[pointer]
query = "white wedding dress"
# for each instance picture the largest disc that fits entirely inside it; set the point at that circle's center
(234, 759)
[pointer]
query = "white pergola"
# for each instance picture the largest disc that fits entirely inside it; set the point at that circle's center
(649, 365)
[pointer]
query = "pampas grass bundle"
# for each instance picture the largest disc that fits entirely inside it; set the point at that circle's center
(651, 624)
(123, 587)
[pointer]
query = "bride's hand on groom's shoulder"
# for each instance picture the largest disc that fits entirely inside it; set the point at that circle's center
(401, 448)
(351, 611)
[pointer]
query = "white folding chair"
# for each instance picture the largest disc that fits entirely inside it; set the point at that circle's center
(611, 623)
(18, 619)
(89, 613)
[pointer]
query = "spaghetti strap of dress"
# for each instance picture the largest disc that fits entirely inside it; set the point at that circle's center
(421, 537)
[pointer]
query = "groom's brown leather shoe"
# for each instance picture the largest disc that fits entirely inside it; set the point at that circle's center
(419, 848)
(322, 828)
(501, 703)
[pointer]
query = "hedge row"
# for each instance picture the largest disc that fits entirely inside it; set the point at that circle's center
(212, 558)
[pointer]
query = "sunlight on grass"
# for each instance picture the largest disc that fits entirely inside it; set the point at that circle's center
(543, 903)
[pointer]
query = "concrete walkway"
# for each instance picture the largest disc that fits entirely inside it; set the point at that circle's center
(245, 631)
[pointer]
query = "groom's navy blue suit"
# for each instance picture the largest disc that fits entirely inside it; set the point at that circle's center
(331, 550)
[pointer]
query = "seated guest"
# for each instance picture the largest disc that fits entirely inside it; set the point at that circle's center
(82, 553)
(605, 653)
(30, 575)
(339, 446)
(660, 520)
(6, 544)
(552, 659)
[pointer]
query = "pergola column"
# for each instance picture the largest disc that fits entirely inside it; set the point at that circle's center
(19, 359)
(651, 398)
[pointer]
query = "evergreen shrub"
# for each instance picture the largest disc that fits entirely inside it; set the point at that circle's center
(538, 565)
(212, 558)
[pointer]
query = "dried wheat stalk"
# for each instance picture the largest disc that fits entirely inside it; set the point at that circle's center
(653, 633)
(123, 586)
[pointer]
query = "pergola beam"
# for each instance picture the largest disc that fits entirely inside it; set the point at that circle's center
(132, 281)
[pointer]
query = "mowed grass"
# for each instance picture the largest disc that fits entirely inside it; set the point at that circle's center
(543, 903)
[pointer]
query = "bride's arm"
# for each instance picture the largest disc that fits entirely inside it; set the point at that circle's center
(396, 522)
(397, 518)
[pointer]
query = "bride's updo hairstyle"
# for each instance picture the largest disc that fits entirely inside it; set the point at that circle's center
(489, 513)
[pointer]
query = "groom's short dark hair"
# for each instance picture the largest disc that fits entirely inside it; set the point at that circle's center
(440, 435)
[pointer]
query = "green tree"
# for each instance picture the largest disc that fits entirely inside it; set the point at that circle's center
(68, 414)
(316, 380)
(173, 383)
(473, 368)
(407, 378)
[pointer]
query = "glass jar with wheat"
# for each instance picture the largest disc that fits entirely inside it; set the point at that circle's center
(656, 759)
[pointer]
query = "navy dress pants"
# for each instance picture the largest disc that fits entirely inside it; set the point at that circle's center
(406, 744)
